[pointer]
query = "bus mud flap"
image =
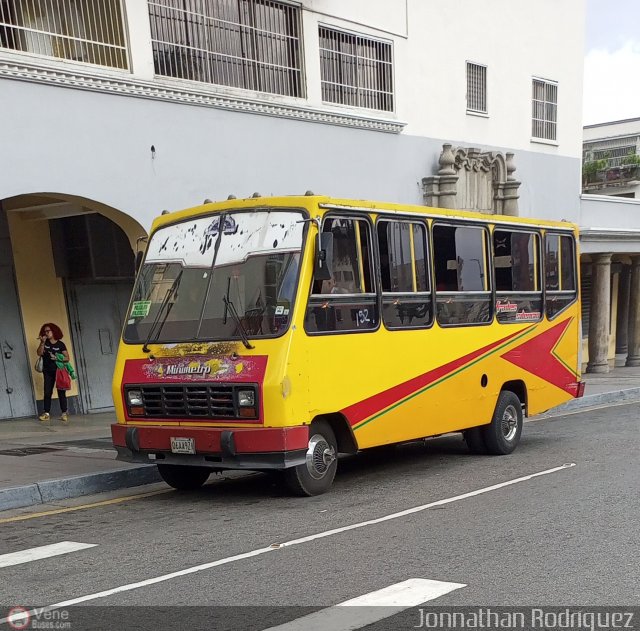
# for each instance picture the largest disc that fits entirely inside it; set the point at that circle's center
(132, 439)
(227, 443)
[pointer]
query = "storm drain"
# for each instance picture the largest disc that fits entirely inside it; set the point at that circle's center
(27, 451)
(85, 443)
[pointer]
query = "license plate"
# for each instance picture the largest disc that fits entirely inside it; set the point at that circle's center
(183, 445)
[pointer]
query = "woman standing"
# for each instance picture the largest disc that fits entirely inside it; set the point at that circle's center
(50, 346)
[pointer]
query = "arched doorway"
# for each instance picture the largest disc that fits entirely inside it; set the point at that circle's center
(72, 263)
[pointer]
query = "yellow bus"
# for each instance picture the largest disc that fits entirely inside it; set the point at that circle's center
(274, 334)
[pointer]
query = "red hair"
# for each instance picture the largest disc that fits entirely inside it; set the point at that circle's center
(55, 329)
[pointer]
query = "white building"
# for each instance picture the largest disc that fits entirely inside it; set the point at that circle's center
(611, 159)
(610, 220)
(117, 109)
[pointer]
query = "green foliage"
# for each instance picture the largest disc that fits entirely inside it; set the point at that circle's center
(591, 168)
(632, 158)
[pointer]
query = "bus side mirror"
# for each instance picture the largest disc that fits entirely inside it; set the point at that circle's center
(324, 256)
(139, 252)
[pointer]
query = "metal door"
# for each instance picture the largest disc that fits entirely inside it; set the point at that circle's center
(16, 389)
(99, 311)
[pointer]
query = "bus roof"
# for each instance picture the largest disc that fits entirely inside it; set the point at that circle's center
(321, 204)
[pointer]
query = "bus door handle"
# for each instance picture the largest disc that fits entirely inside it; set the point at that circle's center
(8, 350)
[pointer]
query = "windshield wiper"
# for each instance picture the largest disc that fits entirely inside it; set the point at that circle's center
(228, 306)
(165, 301)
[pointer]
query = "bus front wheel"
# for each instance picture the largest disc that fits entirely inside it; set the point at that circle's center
(182, 477)
(315, 476)
(502, 435)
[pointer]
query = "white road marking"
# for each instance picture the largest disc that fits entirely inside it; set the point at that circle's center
(372, 607)
(294, 542)
(42, 552)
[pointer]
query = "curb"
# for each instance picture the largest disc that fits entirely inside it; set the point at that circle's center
(628, 395)
(76, 486)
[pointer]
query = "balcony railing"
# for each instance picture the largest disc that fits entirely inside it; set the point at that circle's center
(613, 176)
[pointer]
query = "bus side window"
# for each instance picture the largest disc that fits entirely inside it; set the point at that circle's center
(347, 301)
(463, 291)
(404, 270)
(560, 272)
(516, 262)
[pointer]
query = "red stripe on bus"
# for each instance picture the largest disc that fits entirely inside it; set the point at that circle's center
(364, 409)
(536, 357)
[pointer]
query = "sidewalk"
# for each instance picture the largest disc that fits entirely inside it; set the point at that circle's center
(48, 462)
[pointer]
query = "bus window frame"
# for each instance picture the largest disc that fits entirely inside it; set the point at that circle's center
(576, 277)
(484, 226)
(505, 227)
(345, 213)
(424, 222)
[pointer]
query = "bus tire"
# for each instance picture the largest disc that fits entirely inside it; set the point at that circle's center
(183, 477)
(315, 476)
(502, 435)
(475, 440)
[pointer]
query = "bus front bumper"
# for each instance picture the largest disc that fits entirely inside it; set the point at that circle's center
(215, 447)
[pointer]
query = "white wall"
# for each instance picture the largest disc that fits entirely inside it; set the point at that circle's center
(614, 129)
(516, 41)
(385, 16)
(99, 146)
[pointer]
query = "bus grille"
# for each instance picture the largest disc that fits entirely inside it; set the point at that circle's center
(189, 401)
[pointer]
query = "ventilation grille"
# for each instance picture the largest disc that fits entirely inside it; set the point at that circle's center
(189, 401)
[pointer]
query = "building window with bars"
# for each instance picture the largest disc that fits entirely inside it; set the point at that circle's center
(356, 70)
(545, 109)
(90, 31)
(476, 88)
(249, 44)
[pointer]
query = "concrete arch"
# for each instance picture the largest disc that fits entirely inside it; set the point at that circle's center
(53, 205)
(43, 294)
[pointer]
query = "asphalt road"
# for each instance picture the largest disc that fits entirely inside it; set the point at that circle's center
(566, 537)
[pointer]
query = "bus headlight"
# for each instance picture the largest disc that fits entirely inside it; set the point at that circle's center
(247, 403)
(246, 398)
(134, 397)
(135, 402)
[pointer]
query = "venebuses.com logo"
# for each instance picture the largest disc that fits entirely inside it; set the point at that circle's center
(21, 618)
(18, 618)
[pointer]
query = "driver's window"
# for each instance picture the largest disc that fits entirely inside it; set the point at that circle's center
(347, 301)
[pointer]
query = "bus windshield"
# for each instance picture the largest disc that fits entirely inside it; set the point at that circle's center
(199, 284)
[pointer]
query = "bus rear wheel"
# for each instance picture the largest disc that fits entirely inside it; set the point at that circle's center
(316, 475)
(502, 435)
(182, 477)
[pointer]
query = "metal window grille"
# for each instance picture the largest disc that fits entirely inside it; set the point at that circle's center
(250, 44)
(91, 31)
(356, 70)
(476, 88)
(613, 150)
(544, 109)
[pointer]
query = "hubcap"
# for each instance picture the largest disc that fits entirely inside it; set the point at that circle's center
(509, 423)
(320, 455)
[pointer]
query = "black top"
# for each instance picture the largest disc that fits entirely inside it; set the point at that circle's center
(49, 355)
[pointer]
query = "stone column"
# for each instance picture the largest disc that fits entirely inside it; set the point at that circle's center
(510, 188)
(622, 321)
(633, 357)
(431, 191)
(600, 310)
(448, 178)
